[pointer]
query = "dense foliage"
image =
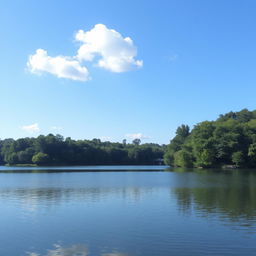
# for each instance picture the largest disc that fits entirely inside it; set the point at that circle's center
(230, 140)
(55, 150)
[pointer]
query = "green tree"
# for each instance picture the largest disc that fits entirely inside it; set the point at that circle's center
(238, 158)
(252, 152)
(136, 141)
(205, 158)
(183, 158)
(40, 158)
(169, 158)
(24, 157)
(12, 158)
(176, 143)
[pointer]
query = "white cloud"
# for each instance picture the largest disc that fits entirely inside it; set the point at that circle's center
(62, 67)
(31, 128)
(173, 57)
(116, 53)
(56, 128)
(105, 138)
(104, 47)
(68, 251)
(76, 249)
(137, 136)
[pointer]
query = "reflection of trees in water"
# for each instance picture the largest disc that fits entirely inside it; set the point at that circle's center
(74, 250)
(231, 196)
(184, 199)
(53, 196)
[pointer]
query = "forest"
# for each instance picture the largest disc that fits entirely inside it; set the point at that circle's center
(228, 141)
(57, 150)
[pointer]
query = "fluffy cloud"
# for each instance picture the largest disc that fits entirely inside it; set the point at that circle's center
(106, 48)
(62, 67)
(117, 54)
(137, 136)
(31, 128)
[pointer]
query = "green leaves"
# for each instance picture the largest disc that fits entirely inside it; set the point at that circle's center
(55, 150)
(40, 159)
(183, 158)
(231, 139)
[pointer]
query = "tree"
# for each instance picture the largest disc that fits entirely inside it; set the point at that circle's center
(182, 131)
(183, 158)
(169, 158)
(12, 158)
(252, 152)
(176, 143)
(40, 158)
(238, 158)
(54, 149)
(136, 141)
(205, 158)
(231, 139)
(24, 157)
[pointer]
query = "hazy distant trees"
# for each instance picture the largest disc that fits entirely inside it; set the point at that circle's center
(136, 141)
(56, 150)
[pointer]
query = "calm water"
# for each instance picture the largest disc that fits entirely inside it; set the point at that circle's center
(135, 213)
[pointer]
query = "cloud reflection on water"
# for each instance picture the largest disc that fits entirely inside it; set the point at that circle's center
(74, 250)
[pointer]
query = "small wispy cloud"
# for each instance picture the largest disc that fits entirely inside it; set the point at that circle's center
(56, 128)
(32, 128)
(173, 57)
(137, 136)
(105, 138)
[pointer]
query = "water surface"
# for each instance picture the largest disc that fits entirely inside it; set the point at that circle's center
(129, 212)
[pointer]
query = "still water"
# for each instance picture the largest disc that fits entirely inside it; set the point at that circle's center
(137, 211)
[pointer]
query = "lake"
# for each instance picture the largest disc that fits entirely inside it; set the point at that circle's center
(127, 210)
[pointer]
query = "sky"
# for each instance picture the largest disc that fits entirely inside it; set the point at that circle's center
(119, 70)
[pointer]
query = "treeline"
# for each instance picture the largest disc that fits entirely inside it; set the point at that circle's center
(55, 150)
(230, 140)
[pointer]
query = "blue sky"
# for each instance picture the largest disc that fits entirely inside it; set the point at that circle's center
(199, 60)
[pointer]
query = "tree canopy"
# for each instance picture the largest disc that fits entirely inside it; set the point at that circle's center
(57, 150)
(229, 140)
